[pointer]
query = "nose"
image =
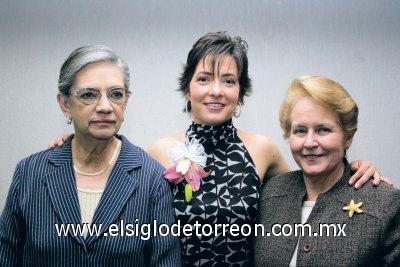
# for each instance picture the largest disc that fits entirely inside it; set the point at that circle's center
(215, 89)
(311, 141)
(104, 104)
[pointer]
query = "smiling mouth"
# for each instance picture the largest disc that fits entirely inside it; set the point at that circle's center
(214, 106)
(312, 156)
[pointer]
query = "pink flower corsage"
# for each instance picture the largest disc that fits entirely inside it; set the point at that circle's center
(188, 161)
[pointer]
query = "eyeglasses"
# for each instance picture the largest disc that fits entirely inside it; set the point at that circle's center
(91, 95)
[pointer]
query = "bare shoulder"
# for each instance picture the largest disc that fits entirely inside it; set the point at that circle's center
(259, 142)
(160, 147)
(265, 154)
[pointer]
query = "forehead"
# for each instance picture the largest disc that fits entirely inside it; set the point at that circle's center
(308, 111)
(99, 74)
(218, 65)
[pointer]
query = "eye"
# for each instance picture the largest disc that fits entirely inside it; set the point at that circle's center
(88, 94)
(323, 130)
(116, 93)
(230, 81)
(203, 79)
(299, 131)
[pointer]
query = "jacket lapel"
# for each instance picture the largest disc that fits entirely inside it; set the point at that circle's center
(61, 186)
(120, 186)
(290, 199)
(292, 213)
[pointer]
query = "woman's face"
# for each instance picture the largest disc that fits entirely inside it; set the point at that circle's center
(316, 139)
(101, 119)
(214, 93)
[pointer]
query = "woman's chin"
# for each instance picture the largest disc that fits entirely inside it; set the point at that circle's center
(213, 119)
(103, 135)
(314, 171)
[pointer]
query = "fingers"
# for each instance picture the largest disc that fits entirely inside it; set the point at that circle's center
(387, 180)
(359, 169)
(51, 144)
(59, 141)
(370, 172)
(355, 165)
(365, 171)
(377, 178)
(65, 137)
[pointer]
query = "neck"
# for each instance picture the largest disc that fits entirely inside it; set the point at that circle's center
(91, 151)
(211, 124)
(316, 185)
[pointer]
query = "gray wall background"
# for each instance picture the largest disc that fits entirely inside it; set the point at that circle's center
(355, 42)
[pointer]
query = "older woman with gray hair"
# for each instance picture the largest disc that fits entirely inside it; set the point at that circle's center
(312, 216)
(85, 203)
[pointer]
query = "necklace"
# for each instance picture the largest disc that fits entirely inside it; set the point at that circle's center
(105, 168)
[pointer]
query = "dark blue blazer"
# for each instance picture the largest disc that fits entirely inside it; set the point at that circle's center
(43, 193)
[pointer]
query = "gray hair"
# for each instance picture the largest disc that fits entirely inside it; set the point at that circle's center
(83, 56)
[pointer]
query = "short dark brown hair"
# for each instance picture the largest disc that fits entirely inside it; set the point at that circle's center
(214, 46)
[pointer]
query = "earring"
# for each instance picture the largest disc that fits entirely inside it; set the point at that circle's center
(188, 106)
(238, 111)
(69, 120)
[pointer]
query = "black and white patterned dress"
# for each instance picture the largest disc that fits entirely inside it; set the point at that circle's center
(228, 196)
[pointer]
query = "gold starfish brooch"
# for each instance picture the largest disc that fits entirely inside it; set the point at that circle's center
(353, 207)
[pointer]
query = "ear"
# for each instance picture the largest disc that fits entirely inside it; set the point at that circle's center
(64, 105)
(348, 142)
(126, 101)
(127, 97)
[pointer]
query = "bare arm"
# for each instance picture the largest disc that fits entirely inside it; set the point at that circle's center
(278, 164)
(159, 148)
(266, 156)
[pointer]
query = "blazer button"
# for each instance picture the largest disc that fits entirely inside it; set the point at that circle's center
(307, 247)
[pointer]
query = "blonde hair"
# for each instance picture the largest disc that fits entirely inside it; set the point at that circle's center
(326, 92)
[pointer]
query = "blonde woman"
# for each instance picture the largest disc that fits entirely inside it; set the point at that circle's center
(319, 119)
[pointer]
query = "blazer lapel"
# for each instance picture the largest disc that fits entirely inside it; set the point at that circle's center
(61, 186)
(290, 198)
(120, 186)
(292, 214)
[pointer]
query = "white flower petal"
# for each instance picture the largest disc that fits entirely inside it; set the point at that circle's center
(192, 150)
